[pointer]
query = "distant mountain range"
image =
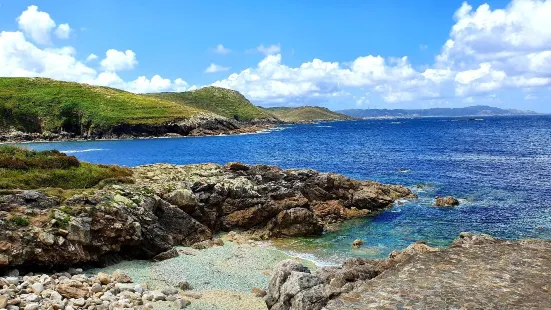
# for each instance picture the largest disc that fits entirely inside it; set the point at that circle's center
(479, 110)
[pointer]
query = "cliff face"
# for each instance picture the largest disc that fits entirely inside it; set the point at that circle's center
(178, 205)
(476, 271)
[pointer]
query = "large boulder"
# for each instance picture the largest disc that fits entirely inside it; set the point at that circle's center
(447, 201)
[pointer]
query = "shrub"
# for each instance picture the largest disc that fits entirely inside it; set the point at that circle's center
(27, 169)
(19, 221)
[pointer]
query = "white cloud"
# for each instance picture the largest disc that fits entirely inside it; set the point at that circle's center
(22, 58)
(213, 68)
(63, 31)
(220, 49)
(117, 61)
(269, 50)
(36, 24)
(91, 57)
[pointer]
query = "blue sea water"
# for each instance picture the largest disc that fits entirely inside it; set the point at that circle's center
(500, 167)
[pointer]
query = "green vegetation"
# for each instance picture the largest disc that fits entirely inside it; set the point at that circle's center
(27, 169)
(222, 101)
(306, 113)
(40, 104)
(19, 221)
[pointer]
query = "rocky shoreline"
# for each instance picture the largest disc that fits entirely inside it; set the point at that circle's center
(199, 125)
(477, 271)
(168, 205)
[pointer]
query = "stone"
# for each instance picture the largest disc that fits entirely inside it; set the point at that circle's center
(37, 287)
(236, 166)
(46, 238)
(32, 306)
(357, 243)
(447, 201)
(3, 301)
(68, 291)
(96, 288)
(184, 199)
(184, 285)
(258, 292)
(169, 291)
(157, 296)
(104, 278)
(181, 303)
(172, 253)
(121, 277)
(4, 245)
(4, 260)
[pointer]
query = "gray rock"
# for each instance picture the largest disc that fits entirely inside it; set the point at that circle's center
(32, 306)
(181, 303)
(169, 291)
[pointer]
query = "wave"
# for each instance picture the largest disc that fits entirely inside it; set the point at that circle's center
(311, 258)
(82, 151)
(324, 126)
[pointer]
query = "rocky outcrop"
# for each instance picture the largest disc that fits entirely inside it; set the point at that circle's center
(447, 201)
(172, 205)
(475, 270)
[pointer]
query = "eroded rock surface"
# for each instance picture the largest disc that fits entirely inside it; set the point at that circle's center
(172, 205)
(475, 272)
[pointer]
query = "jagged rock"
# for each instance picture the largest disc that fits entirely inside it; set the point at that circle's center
(166, 255)
(121, 277)
(184, 285)
(295, 222)
(357, 243)
(69, 291)
(447, 201)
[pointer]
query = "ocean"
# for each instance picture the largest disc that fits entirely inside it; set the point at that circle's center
(499, 168)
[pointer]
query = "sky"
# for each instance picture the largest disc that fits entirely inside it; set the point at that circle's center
(337, 54)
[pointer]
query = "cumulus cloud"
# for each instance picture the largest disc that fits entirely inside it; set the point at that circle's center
(117, 60)
(488, 50)
(213, 68)
(21, 58)
(91, 57)
(36, 24)
(63, 31)
(268, 50)
(220, 49)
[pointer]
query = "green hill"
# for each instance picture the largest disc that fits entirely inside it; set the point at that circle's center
(306, 113)
(222, 101)
(40, 104)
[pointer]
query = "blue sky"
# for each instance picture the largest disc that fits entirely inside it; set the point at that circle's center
(356, 54)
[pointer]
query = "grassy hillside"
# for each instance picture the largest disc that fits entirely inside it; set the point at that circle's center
(222, 101)
(26, 169)
(306, 113)
(39, 104)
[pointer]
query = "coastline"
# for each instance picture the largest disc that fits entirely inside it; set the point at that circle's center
(39, 138)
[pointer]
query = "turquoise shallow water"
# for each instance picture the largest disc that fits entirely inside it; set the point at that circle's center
(500, 167)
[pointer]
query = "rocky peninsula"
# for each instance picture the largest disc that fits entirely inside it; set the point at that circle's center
(168, 205)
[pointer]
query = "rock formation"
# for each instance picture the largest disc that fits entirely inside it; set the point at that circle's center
(475, 271)
(447, 201)
(172, 205)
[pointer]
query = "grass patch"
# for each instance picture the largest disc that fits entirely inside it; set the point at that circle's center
(222, 101)
(19, 221)
(307, 113)
(52, 169)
